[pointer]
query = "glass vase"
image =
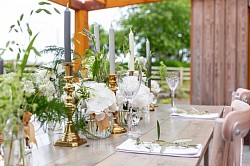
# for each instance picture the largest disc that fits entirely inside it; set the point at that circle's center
(122, 116)
(94, 129)
(14, 143)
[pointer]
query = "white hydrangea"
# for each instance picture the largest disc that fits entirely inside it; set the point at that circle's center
(155, 87)
(142, 99)
(28, 86)
(100, 101)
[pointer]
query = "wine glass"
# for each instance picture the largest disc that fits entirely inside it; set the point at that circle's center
(173, 79)
(129, 84)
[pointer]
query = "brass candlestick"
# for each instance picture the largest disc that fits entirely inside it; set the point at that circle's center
(70, 137)
(117, 129)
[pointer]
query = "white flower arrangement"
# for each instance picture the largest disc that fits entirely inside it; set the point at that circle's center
(100, 99)
(142, 100)
(155, 87)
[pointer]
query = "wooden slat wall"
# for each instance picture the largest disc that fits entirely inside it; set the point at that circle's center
(219, 50)
(208, 51)
(230, 59)
(196, 42)
(242, 46)
(218, 59)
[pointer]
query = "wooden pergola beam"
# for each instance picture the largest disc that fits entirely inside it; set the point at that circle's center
(100, 4)
(121, 3)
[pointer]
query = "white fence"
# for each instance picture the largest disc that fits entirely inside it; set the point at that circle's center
(184, 73)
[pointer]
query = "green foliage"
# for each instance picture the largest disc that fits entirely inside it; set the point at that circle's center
(158, 131)
(95, 61)
(163, 71)
(166, 24)
(47, 110)
(12, 96)
(172, 63)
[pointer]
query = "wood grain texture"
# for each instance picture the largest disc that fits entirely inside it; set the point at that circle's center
(230, 59)
(196, 51)
(120, 3)
(103, 152)
(218, 145)
(242, 43)
(222, 54)
(219, 53)
(81, 41)
(208, 53)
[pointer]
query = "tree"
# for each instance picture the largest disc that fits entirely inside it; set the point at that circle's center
(166, 25)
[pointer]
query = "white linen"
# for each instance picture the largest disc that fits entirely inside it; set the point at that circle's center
(150, 148)
(195, 116)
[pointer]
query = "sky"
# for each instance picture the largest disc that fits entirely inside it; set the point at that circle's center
(50, 27)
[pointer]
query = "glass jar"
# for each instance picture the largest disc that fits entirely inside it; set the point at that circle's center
(98, 129)
(14, 142)
(122, 116)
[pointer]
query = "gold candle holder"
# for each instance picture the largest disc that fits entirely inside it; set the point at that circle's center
(117, 129)
(70, 137)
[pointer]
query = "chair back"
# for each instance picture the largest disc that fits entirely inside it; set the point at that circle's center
(244, 94)
(226, 151)
(235, 127)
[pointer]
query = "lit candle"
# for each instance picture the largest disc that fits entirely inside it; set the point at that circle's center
(148, 54)
(131, 49)
(67, 38)
(1, 65)
(97, 37)
(112, 49)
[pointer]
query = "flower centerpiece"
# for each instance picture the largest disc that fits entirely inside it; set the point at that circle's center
(45, 86)
(95, 102)
(93, 98)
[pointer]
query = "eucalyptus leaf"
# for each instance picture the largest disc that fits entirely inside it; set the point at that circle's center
(158, 130)
(18, 23)
(57, 10)
(182, 140)
(38, 10)
(46, 11)
(18, 56)
(21, 17)
(44, 3)
(36, 52)
(11, 49)
(7, 44)
(11, 27)
(29, 30)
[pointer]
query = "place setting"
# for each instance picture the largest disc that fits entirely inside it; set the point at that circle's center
(173, 80)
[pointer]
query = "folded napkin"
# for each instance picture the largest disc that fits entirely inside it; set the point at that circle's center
(195, 116)
(151, 148)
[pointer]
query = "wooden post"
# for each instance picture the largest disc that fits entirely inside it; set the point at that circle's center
(181, 76)
(81, 42)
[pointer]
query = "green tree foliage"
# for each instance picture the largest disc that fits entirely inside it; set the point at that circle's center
(166, 25)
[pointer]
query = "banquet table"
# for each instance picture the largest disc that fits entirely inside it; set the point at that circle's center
(103, 152)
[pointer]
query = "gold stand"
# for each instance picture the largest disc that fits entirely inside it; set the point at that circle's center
(116, 128)
(152, 107)
(70, 137)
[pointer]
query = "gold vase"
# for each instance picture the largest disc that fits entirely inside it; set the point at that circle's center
(70, 137)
